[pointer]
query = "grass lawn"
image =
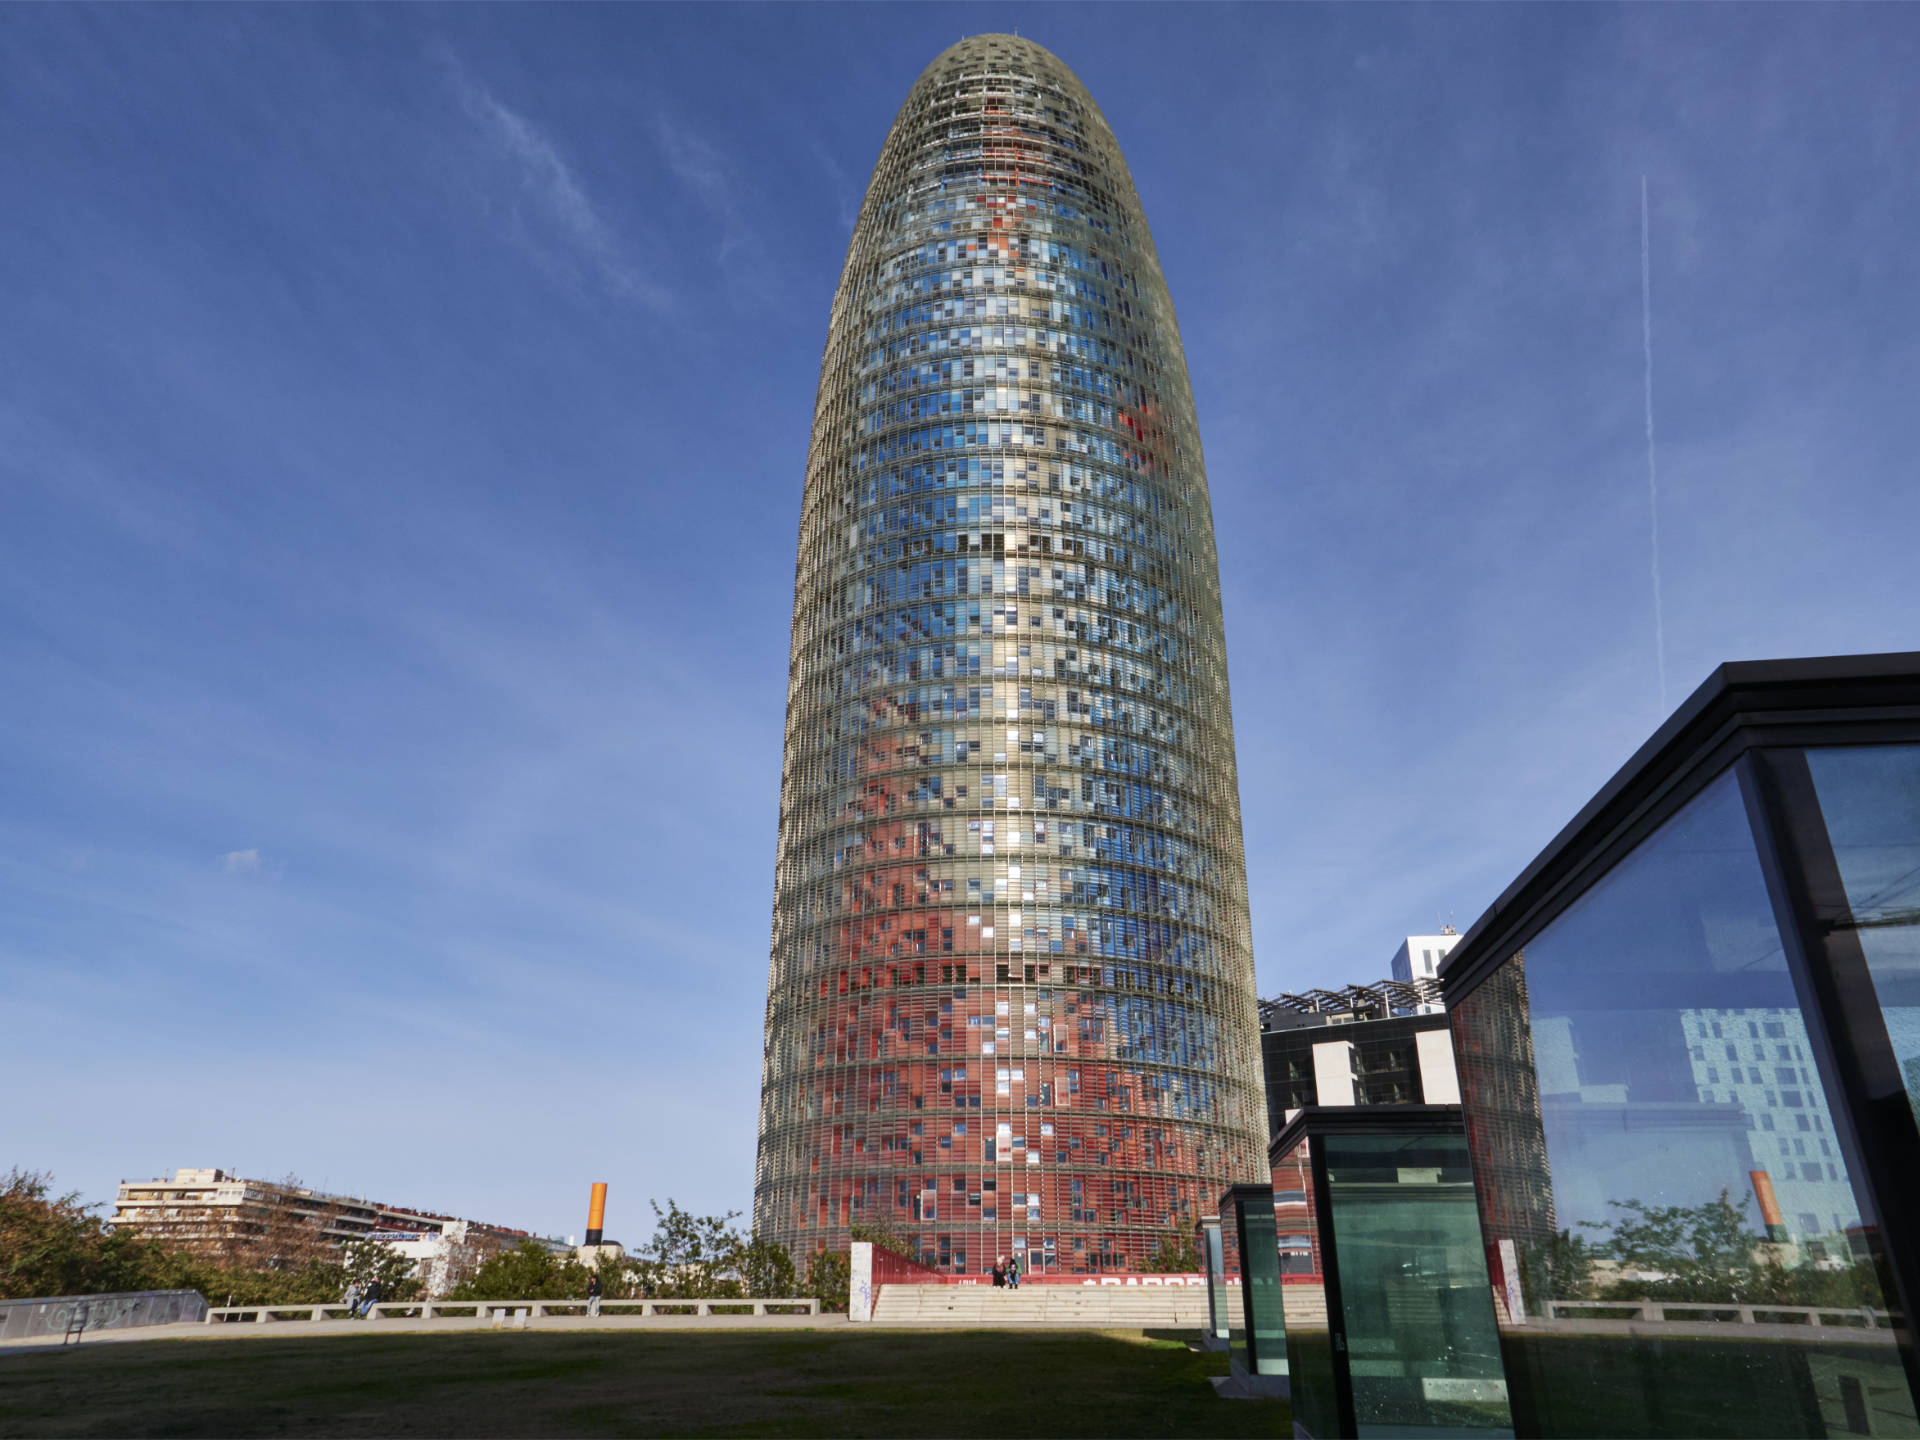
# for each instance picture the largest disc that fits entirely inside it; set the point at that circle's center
(740, 1382)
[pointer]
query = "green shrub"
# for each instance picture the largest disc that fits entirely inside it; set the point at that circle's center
(527, 1272)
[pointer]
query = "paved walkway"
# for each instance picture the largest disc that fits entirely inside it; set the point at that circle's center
(453, 1325)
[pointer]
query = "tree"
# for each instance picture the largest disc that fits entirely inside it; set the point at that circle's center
(459, 1263)
(617, 1279)
(767, 1269)
(1705, 1254)
(1685, 1252)
(294, 1230)
(58, 1246)
(688, 1256)
(1683, 1241)
(829, 1278)
(527, 1272)
(368, 1260)
(1558, 1269)
(881, 1230)
(54, 1245)
(1177, 1253)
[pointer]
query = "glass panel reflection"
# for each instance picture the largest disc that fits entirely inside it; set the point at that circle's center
(1658, 1162)
(1213, 1260)
(1261, 1348)
(1303, 1290)
(1421, 1345)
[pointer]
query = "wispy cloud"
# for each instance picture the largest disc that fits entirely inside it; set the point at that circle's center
(702, 168)
(553, 214)
(241, 862)
(697, 165)
(846, 192)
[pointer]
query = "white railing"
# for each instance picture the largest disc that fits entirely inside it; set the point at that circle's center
(496, 1310)
(1656, 1312)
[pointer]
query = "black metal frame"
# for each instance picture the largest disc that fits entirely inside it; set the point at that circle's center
(1314, 1123)
(1756, 717)
(1852, 1050)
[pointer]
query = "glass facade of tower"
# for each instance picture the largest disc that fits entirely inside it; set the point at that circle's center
(1011, 1007)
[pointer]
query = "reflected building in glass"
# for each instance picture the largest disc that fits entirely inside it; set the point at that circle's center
(1686, 1039)
(1011, 1007)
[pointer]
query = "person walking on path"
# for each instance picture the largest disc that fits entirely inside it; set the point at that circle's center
(593, 1295)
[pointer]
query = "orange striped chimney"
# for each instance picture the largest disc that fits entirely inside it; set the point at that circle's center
(596, 1212)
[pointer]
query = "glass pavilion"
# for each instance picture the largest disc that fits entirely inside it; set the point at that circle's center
(1688, 1039)
(1389, 1320)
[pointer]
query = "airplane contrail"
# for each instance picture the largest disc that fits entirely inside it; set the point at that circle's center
(1653, 480)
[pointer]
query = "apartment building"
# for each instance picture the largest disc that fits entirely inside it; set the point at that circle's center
(280, 1224)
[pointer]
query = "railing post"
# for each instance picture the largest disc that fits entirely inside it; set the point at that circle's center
(260, 1316)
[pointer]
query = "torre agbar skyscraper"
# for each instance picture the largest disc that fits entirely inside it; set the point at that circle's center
(1011, 1008)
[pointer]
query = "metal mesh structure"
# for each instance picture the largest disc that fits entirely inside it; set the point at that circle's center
(1379, 1001)
(1011, 1008)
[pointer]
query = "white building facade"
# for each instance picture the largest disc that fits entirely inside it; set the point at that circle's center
(1419, 957)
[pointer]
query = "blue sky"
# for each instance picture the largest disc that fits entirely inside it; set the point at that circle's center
(402, 420)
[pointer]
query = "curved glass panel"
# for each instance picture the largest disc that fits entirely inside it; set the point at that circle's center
(1010, 1008)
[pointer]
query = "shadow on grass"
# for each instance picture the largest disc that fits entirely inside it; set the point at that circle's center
(742, 1382)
